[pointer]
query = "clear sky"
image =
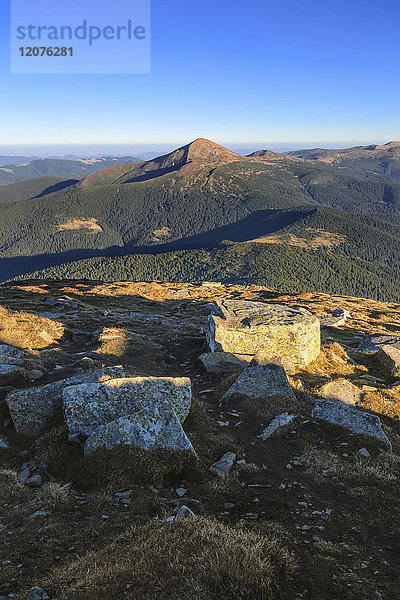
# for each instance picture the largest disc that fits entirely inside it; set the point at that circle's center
(242, 73)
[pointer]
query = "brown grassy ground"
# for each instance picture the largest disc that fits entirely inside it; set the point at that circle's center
(334, 510)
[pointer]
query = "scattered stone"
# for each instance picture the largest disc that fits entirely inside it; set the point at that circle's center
(277, 423)
(123, 495)
(342, 390)
(338, 318)
(364, 452)
(389, 358)
(184, 513)
(9, 355)
(243, 327)
(374, 343)
(181, 492)
(261, 381)
(229, 505)
(222, 467)
(149, 428)
(34, 481)
(224, 362)
(31, 410)
(40, 513)
(3, 445)
(34, 374)
(89, 406)
(10, 373)
(38, 593)
(24, 475)
(357, 422)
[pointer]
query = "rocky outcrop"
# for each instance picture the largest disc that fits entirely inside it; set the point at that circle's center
(32, 410)
(261, 381)
(360, 423)
(88, 406)
(149, 428)
(243, 327)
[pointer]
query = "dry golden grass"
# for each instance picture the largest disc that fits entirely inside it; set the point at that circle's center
(25, 330)
(385, 402)
(196, 558)
(366, 471)
(10, 488)
(48, 496)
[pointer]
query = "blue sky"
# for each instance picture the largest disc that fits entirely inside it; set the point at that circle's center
(255, 73)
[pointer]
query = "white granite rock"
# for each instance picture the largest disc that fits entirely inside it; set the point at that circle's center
(88, 406)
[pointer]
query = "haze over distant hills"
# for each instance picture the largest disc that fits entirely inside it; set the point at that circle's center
(76, 168)
(317, 206)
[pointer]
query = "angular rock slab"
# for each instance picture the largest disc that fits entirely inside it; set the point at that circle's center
(31, 410)
(261, 381)
(357, 422)
(389, 358)
(149, 428)
(10, 373)
(224, 362)
(244, 327)
(9, 355)
(342, 390)
(222, 467)
(88, 406)
(276, 423)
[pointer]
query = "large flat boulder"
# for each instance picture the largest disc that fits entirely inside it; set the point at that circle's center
(360, 423)
(32, 410)
(88, 406)
(150, 428)
(250, 328)
(261, 381)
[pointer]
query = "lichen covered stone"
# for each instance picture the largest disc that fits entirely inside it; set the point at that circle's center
(350, 418)
(31, 410)
(245, 327)
(261, 381)
(149, 428)
(88, 406)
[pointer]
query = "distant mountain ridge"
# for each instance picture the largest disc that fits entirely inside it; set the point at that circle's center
(373, 159)
(75, 168)
(202, 195)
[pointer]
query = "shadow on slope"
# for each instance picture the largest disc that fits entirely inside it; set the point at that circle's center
(61, 185)
(262, 222)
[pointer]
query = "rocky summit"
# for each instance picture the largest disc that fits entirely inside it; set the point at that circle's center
(216, 424)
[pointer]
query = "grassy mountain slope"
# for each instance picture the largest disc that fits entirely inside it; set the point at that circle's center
(197, 197)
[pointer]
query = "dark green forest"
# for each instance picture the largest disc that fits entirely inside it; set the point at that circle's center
(279, 267)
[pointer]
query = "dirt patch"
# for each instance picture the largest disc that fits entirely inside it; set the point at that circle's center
(90, 225)
(319, 238)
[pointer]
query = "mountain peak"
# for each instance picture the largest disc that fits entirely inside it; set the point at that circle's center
(203, 150)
